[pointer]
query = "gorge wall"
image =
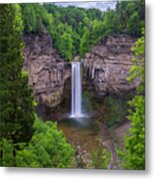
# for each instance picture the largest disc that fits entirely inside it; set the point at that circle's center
(48, 72)
(106, 67)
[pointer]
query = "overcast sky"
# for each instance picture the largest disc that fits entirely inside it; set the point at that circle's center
(103, 6)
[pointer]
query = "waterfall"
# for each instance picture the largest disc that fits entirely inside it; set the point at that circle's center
(76, 92)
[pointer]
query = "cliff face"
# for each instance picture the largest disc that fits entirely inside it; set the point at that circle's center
(106, 68)
(107, 65)
(47, 70)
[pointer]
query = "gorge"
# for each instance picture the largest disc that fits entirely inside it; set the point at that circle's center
(105, 67)
(105, 70)
(72, 85)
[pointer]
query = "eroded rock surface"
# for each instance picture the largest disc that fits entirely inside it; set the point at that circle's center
(48, 72)
(106, 68)
(107, 65)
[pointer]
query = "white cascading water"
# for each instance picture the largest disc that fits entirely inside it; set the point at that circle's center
(76, 102)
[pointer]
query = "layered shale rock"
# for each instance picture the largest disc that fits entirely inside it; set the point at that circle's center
(107, 65)
(48, 72)
(106, 68)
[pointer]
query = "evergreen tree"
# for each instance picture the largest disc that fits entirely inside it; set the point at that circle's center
(16, 110)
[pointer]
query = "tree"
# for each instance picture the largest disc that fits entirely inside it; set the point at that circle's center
(16, 110)
(130, 16)
(66, 45)
(133, 24)
(47, 148)
(36, 19)
(84, 44)
(134, 154)
(6, 152)
(29, 17)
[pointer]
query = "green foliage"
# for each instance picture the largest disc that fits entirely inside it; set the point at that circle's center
(65, 46)
(34, 103)
(35, 18)
(132, 24)
(84, 44)
(133, 157)
(47, 148)
(75, 30)
(134, 153)
(16, 110)
(20, 145)
(6, 150)
(25, 74)
(116, 110)
(101, 159)
(138, 70)
(131, 16)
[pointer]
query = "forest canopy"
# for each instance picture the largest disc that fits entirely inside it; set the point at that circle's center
(74, 30)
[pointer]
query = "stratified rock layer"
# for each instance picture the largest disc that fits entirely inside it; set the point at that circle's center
(48, 72)
(107, 65)
(106, 68)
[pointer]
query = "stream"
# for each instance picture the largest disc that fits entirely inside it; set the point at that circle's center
(91, 125)
(90, 137)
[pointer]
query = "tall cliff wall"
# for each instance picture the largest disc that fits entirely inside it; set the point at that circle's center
(106, 68)
(48, 72)
(107, 65)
